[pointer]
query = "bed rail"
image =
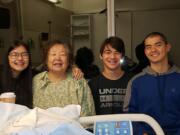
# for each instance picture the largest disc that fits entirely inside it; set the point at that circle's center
(124, 117)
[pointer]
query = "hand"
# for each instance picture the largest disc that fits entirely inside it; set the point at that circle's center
(77, 73)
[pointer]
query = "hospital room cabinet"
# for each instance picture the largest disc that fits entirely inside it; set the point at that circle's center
(81, 31)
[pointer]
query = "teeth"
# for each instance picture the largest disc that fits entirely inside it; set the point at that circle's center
(112, 62)
(19, 63)
(58, 64)
(154, 55)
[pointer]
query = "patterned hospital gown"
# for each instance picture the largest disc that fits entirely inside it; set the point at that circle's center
(69, 91)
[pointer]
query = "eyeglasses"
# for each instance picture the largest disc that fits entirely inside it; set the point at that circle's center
(15, 55)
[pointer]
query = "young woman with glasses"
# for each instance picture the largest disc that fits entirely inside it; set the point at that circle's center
(17, 73)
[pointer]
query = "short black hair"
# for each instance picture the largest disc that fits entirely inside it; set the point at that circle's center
(152, 34)
(115, 42)
(84, 57)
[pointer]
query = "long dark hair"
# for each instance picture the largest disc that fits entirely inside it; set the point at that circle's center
(21, 85)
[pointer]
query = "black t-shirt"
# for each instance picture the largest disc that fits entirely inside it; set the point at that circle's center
(109, 94)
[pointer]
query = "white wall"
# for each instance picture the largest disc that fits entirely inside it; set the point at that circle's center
(88, 6)
(83, 6)
(122, 5)
(66, 4)
(99, 35)
(124, 30)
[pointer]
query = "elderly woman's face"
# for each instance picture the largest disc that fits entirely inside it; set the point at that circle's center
(57, 60)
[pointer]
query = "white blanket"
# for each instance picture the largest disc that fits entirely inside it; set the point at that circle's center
(19, 120)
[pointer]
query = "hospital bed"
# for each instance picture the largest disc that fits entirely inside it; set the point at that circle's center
(18, 119)
(124, 118)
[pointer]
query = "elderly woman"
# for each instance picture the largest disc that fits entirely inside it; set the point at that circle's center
(56, 87)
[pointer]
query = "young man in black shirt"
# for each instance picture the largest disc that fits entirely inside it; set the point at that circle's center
(109, 87)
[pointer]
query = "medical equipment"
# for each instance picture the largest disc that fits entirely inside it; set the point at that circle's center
(123, 117)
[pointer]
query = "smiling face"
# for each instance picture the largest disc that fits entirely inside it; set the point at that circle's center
(111, 58)
(156, 49)
(18, 59)
(57, 60)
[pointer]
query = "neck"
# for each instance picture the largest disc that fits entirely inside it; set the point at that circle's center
(113, 75)
(160, 67)
(55, 77)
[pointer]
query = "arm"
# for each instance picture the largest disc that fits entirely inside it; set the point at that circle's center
(130, 106)
(127, 97)
(38, 84)
(77, 73)
(34, 88)
(178, 123)
(85, 99)
(133, 100)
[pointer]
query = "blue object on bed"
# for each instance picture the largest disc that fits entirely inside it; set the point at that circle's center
(70, 129)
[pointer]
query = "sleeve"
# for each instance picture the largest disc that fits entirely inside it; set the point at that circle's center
(178, 123)
(35, 85)
(130, 105)
(127, 97)
(133, 102)
(85, 99)
(93, 86)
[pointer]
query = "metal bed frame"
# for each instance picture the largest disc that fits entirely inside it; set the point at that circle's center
(124, 117)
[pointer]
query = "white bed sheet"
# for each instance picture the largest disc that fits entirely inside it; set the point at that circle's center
(17, 119)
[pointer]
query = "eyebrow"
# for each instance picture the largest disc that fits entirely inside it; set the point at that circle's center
(159, 42)
(55, 51)
(107, 49)
(19, 52)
